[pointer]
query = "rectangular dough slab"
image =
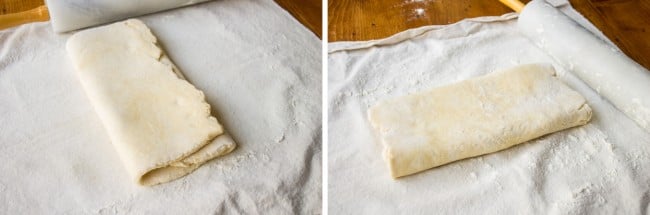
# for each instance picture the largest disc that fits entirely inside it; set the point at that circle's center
(159, 124)
(475, 117)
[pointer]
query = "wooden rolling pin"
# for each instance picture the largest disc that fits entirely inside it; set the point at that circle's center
(515, 5)
(38, 14)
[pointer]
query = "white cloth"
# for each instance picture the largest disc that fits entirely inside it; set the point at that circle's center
(599, 168)
(259, 69)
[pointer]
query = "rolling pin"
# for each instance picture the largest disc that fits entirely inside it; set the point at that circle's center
(68, 15)
(616, 77)
(38, 14)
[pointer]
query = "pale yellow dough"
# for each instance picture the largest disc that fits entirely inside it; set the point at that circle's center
(159, 124)
(475, 117)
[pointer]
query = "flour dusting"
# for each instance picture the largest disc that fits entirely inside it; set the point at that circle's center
(260, 71)
(599, 168)
(419, 11)
(416, 9)
(417, 1)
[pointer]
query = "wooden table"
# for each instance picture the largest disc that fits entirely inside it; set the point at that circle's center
(625, 22)
(307, 12)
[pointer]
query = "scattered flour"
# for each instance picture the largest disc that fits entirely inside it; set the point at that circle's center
(416, 1)
(419, 11)
(261, 72)
(599, 168)
(416, 9)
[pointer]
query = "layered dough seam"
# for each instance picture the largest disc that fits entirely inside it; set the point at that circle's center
(474, 117)
(158, 122)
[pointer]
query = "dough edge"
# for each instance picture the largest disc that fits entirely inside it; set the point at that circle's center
(217, 145)
(582, 115)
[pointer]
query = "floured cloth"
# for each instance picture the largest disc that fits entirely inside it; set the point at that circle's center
(599, 168)
(260, 72)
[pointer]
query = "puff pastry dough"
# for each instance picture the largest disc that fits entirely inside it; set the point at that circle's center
(475, 117)
(159, 124)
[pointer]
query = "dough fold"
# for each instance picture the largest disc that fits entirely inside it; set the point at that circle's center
(475, 117)
(159, 124)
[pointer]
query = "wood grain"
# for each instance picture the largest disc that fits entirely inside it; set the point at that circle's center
(15, 6)
(367, 20)
(626, 22)
(307, 12)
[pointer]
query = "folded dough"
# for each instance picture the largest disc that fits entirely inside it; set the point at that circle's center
(158, 122)
(475, 117)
